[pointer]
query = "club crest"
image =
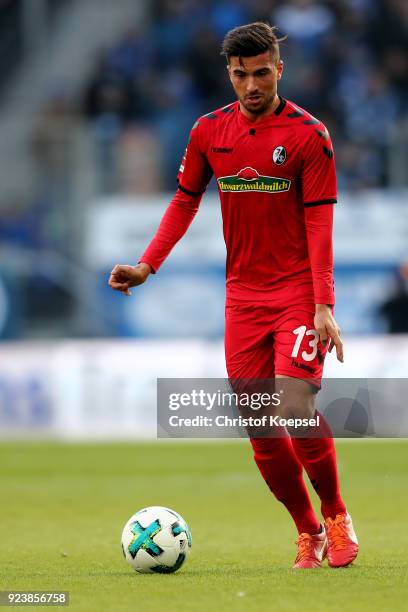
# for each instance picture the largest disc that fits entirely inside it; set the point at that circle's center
(279, 155)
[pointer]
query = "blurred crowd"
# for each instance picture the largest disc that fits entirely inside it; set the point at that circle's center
(346, 62)
(126, 129)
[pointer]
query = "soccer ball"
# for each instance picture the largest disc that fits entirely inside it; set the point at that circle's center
(156, 540)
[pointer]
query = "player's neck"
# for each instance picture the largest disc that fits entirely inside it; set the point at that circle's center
(255, 117)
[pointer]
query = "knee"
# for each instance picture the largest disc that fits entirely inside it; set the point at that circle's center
(301, 410)
(297, 409)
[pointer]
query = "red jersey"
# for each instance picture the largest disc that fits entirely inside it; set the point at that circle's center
(277, 183)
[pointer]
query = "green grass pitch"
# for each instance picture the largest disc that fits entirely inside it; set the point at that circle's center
(62, 509)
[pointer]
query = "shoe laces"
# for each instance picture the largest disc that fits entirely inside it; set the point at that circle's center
(337, 532)
(305, 547)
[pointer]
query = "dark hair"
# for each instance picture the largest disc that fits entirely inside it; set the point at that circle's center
(251, 39)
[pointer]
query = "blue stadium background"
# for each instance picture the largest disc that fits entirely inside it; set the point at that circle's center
(96, 104)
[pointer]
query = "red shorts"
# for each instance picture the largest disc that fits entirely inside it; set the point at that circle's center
(263, 340)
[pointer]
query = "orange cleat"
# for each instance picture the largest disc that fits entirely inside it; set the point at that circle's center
(343, 543)
(312, 550)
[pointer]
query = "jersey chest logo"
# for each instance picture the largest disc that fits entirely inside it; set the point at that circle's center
(279, 155)
(249, 179)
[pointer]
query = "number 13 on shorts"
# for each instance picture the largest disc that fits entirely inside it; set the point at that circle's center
(300, 333)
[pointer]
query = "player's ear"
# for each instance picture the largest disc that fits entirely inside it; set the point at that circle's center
(279, 68)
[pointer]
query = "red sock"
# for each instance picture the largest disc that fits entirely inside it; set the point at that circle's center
(283, 474)
(317, 454)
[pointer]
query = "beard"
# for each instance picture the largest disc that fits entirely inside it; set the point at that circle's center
(258, 108)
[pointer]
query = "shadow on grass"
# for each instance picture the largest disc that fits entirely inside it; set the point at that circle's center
(262, 571)
(225, 570)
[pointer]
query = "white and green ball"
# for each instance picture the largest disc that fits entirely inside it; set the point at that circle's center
(156, 540)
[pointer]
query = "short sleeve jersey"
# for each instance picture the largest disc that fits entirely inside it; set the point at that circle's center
(267, 173)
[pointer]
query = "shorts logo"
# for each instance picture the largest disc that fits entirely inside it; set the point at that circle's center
(302, 366)
(249, 179)
(279, 155)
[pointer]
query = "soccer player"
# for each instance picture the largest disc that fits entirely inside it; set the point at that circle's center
(275, 170)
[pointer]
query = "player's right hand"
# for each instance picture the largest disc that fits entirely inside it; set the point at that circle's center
(123, 277)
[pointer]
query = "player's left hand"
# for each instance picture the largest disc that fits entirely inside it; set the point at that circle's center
(328, 330)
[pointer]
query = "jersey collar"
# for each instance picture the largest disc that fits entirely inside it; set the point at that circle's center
(267, 119)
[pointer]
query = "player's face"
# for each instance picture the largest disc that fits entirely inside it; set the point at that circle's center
(255, 81)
